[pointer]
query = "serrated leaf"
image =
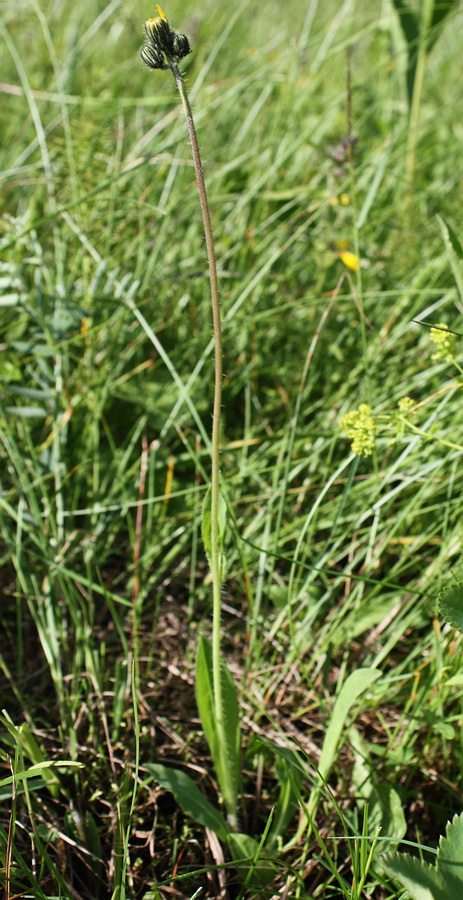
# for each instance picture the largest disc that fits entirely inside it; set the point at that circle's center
(190, 798)
(444, 881)
(420, 879)
(450, 857)
(226, 748)
(451, 605)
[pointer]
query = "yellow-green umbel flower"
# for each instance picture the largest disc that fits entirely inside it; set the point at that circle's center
(164, 46)
(445, 341)
(361, 428)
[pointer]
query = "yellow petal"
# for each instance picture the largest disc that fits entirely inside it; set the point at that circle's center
(161, 13)
(349, 259)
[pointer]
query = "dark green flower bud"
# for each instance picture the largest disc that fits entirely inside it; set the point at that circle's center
(160, 35)
(181, 46)
(164, 46)
(151, 57)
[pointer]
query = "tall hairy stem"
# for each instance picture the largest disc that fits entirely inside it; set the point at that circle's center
(215, 560)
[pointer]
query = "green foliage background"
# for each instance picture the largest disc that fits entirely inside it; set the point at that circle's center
(106, 369)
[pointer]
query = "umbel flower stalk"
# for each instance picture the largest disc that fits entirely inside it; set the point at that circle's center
(163, 50)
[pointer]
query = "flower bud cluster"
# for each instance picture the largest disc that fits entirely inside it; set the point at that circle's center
(360, 427)
(164, 46)
(446, 343)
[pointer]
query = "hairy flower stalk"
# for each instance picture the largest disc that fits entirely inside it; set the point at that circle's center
(163, 49)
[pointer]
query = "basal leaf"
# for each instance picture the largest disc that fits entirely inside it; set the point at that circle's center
(226, 747)
(242, 846)
(358, 682)
(190, 798)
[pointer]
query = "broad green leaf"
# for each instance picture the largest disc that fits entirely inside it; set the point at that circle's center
(386, 812)
(353, 687)
(451, 605)
(226, 747)
(444, 881)
(385, 805)
(420, 879)
(450, 857)
(190, 798)
(242, 846)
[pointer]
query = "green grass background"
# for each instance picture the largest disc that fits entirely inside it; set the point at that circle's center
(335, 561)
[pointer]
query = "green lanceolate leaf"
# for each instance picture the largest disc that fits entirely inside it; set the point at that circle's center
(225, 749)
(451, 605)
(244, 847)
(189, 798)
(353, 687)
(221, 526)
